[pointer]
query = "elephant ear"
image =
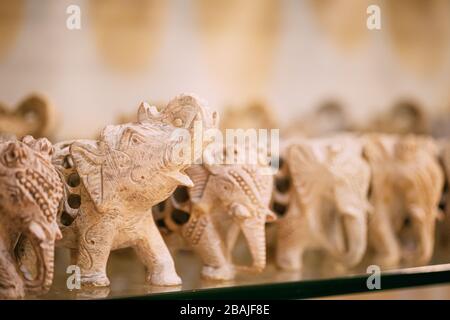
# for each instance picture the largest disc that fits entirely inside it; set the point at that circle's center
(430, 145)
(378, 148)
(199, 176)
(310, 177)
(311, 180)
(89, 162)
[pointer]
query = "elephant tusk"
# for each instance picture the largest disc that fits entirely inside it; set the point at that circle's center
(181, 178)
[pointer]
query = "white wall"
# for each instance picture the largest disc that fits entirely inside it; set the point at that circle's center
(66, 66)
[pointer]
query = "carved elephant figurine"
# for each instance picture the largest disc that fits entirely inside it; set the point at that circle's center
(443, 225)
(405, 117)
(225, 200)
(406, 187)
(256, 115)
(112, 183)
(321, 193)
(330, 117)
(31, 192)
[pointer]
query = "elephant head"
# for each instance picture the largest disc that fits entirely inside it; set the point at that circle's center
(30, 197)
(407, 185)
(139, 164)
(244, 194)
(225, 200)
(331, 182)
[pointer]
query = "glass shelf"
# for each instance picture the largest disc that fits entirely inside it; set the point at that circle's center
(127, 280)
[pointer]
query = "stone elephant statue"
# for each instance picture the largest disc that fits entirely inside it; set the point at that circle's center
(31, 192)
(112, 183)
(321, 198)
(226, 199)
(406, 187)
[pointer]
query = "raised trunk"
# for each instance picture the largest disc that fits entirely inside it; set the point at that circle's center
(254, 233)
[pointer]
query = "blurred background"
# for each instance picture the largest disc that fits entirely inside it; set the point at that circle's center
(299, 65)
(291, 56)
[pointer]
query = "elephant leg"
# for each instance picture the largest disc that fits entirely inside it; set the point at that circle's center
(289, 248)
(93, 252)
(73, 256)
(154, 254)
(232, 235)
(383, 241)
(205, 240)
(11, 284)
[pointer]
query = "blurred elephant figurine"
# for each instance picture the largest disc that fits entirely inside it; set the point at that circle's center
(445, 160)
(256, 115)
(34, 116)
(31, 192)
(406, 187)
(112, 183)
(225, 200)
(322, 198)
(443, 224)
(329, 118)
(404, 117)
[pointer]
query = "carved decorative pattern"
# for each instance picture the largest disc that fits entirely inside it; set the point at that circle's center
(32, 192)
(111, 184)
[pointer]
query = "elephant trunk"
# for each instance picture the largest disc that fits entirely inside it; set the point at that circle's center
(42, 244)
(254, 233)
(425, 242)
(355, 233)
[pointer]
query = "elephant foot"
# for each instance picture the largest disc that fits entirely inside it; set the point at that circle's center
(12, 294)
(289, 263)
(164, 278)
(222, 273)
(387, 261)
(94, 280)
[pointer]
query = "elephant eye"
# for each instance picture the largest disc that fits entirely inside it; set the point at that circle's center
(178, 122)
(136, 139)
(14, 197)
(225, 185)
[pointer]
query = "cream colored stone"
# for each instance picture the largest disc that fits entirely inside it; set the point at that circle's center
(31, 192)
(226, 199)
(322, 192)
(406, 188)
(112, 183)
